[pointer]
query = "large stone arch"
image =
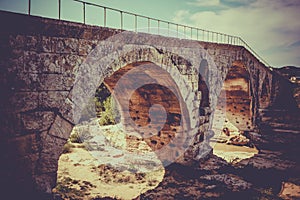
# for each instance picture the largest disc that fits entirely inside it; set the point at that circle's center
(102, 62)
(133, 55)
(139, 86)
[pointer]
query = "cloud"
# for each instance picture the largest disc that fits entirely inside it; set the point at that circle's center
(236, 3)
(267, 25)
(295, 44)
(205, 3)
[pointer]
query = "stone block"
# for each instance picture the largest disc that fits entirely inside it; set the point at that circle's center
(65, 45)
(86, 46)
(51, 150)
(51, 82)
(32, 61)
(45, 182)
(70, 63)
(23, 146)
(52, 99)
(24, 101)
(67, 110)
(51, 63)
(46, 44)
(17, 41)
(61, 128)
(68, 82)
(10, 124)
(32, 43)
(37, 120)
(25, 82)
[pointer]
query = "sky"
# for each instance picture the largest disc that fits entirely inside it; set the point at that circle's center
(270, 27)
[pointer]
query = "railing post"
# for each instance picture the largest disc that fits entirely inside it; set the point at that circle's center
(177, 30)
(184, 32)
(158, 26)
(135, 23)
(191, 33)
(59, 9)
(104, 16)
(121, 15)
(203, 34)
(148, 25)
(29, 7)
(83, 12)
(168, 29)
(197, 34)
(207, 36)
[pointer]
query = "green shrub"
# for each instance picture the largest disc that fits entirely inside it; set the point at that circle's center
(74, 138)
(110, 115)
(102, 106)
(79, 136)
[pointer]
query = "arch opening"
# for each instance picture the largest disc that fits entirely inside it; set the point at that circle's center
(265, 98)
(233, 116)
(237, 88)
(203, 86)
(122, 151)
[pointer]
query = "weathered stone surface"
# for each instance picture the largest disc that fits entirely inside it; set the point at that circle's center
(268, 160)
(24, 146)
(51, 82)
(52, 99)
(65, 45)
(212, 163)
(45, 182)
(24, 101)
(37, 120)
(86, 46)
(233, 182)
(26, 81)
(51, 150)
(31, 61)
(61, 128)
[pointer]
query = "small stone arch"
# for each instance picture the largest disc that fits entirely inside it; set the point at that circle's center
(265, 93)
(236, 100)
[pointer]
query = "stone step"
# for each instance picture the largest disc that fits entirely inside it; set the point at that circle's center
(287, 125)
(271, 113)
(283, 127)
(283, 119)
(278, 130)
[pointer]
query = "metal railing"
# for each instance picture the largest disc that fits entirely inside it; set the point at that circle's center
(195, 33)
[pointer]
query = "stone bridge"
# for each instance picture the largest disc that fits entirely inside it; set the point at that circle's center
(51, 68)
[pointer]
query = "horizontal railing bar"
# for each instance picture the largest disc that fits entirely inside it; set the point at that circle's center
(222, 38)
(146, 17)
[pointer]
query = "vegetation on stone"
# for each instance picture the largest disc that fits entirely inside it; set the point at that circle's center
(102, 106)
